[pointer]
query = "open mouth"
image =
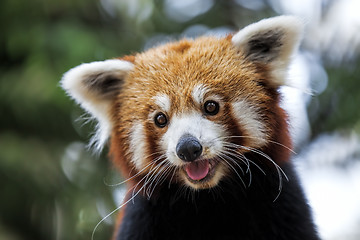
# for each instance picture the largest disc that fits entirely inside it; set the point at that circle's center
(200, 170)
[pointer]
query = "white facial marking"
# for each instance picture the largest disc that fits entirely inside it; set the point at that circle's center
(207, 132)
(198, 93)
(246, 115)
(163, 101)
(137, 145)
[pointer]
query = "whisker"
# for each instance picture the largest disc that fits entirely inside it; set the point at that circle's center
(223, 158)
(167, 172)
(128, 179)
(240, 157)
(172, 176)
(269, 158)
(261, 170)
(231, 148)
(277, 167)
(155, 179)
(161, 178)
(152, 173)
(112, 212)
(144, 178)
(243, 157)
(236, 146)
(226, 153)
(271, 141)
(137, 174)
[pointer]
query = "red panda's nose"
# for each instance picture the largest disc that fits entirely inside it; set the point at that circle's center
(188, 148)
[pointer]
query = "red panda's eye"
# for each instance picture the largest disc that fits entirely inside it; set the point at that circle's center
(211, 107)
(160, 120)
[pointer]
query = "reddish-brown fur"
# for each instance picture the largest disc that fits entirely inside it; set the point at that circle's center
(174, 69)
(201, 116)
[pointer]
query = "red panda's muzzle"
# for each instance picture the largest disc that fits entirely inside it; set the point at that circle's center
(189, 150)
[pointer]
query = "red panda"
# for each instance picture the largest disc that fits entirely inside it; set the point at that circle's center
(197, 128)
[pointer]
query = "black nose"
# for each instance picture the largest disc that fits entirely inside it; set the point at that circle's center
(188, 148)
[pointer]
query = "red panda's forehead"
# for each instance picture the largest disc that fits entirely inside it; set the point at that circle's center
(179, 69)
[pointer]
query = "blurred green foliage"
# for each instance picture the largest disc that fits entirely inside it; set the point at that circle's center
(338, 106)
(51, 186)
(40, 40)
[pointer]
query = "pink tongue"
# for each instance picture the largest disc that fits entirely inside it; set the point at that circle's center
(197, 170)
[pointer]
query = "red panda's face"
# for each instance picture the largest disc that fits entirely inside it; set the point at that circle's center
(192, 108)
(187, 112)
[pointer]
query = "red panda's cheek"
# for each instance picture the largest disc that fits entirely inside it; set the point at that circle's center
(251, 122)
(137, 144)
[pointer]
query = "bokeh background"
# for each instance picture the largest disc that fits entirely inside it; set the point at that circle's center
(53, 187)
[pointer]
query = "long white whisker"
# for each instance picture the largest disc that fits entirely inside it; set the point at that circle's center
(153, 174)
(128, 179)
(230, 147)
(223, 158)
(172, 176)
(147, 175)
(167, 172)
(247, 170)
(161, 178)
(226, 153)
(278, 168)
(271, 141)
(261, 170)
(138, 173)
(111, 213)
(269, 158)
(144, 178)
(240, 157)
(156, 178)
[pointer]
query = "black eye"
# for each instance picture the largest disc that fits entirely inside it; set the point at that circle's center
(211, 107)
(160, 120)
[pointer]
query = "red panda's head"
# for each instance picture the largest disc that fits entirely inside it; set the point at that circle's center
(189, 111)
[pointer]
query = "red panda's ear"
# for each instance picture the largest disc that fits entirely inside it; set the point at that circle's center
(271, 41)
(94, 86)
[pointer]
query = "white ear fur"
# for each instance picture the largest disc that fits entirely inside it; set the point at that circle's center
(94, 86)
(271, 41)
